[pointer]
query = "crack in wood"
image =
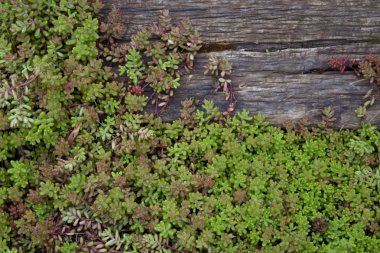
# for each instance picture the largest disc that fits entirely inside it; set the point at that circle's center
(217, 47)
(275, 47)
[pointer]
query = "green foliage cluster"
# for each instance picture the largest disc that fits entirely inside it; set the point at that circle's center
(201, 183)
(82, 169)
(155, 58)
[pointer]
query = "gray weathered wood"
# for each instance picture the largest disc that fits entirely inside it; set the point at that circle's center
(282, 23)
(291, 81)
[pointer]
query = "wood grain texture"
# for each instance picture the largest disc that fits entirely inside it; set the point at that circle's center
(289, 82)
(264, 22)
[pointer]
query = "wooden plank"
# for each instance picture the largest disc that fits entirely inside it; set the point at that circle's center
(258, 24)
(287, 84)
(292, 80)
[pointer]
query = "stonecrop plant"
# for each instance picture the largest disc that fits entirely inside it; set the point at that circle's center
(84, 168)
(156, 57)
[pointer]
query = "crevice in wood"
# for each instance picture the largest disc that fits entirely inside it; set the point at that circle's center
(217, 47)
(275, 47)
(320, 71)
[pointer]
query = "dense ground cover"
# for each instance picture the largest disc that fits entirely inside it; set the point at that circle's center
(84, 169)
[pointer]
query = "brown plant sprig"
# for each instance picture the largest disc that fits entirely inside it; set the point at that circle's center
(111, 32)
(222, 69)
(328, 118)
